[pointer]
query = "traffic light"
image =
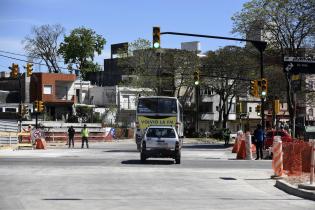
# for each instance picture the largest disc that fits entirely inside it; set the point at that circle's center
(14, 70)
(264, 87)
(196, 77)
(25, 109)
(258, 109)
(41, 106)
(254, 88)
(276, 106)
(156, 38)
(36, 106)
(29, 69)
(20, 110)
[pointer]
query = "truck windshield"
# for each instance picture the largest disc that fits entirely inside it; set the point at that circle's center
(157, 105)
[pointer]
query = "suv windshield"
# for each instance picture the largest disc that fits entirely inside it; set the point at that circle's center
(161, 132)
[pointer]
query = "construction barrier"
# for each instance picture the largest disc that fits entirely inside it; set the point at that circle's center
(277, 161)
(236, 145)
(40, 143)
(242, 151)
(296, 157)
(248, 144)
(237, 142)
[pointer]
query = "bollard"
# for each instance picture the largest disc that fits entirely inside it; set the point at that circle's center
(248, 143)
(277, 161)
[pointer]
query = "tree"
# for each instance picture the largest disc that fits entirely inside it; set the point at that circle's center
(225, 73)
(287, 25)
(165, 71)
(80, 47)
(43, 44)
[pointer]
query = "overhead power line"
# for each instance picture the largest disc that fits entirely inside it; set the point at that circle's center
(26, 61)
(34, 57)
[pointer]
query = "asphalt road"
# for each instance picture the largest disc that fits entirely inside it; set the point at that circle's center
(110, 176)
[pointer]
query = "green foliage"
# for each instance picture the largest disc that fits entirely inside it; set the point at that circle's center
(225, 71)
(157, 68)
(286, 25)
(80, 47)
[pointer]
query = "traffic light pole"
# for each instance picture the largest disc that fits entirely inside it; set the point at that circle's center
(263, 122)
(259, 45)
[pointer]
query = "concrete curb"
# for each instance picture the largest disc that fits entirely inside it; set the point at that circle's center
(293, 190)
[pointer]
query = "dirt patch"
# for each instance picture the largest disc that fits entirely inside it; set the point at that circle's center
(296, 180)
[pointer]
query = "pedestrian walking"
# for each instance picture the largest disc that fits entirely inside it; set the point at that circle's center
(71, 133)
(85, 135)
(259, 136)
(226, 136)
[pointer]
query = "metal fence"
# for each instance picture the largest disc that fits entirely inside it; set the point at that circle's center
(8, 132)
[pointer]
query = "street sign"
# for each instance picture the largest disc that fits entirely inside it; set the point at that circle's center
(298, 65)
(37, 134)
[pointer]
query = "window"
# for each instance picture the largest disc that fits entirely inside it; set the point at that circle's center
(207, 91)
(161, 132)
(125, 102)
(310, 112)
(155, 105)
(232, 110)
(47, 89)
(11, 110)
(206, 107)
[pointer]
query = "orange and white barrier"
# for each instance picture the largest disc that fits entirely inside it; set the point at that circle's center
(277, 161)
(248, 144)
(312, 162)
(236, 146)
(237, 142)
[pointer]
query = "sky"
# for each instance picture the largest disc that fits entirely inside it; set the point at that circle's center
(117, 21)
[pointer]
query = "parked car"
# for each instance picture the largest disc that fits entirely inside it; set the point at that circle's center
(161, 142)
(285, 137)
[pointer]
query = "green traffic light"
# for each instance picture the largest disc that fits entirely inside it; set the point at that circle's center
(156, 45)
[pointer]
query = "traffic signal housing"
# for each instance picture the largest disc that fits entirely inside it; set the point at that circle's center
(156, 38)
(258, 109)
(36, 106)
(276, 106)
(14, 70)
(254, 88)
(41, 106)
(29, 69)
(196, 77)
(264, 87)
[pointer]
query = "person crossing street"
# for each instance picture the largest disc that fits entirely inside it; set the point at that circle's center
(259, 136)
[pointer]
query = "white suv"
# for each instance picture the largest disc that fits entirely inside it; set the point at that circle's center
(161, 142)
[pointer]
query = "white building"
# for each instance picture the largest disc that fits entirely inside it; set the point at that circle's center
(117, 103)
